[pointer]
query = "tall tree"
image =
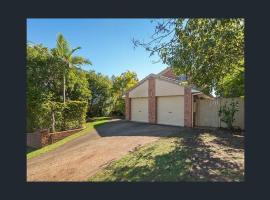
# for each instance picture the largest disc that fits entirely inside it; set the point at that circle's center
(65, 53)
(44, 84)
(100, 103)
(209, 51)
(120, 84)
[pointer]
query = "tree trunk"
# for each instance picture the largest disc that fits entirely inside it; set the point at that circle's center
(64, 87)
(53, 122)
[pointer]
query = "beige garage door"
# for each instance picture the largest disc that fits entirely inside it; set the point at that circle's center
(170, 110)
(139, 109)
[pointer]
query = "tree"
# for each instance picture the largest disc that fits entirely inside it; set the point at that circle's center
(100, 104)
(120, 84)
(77, 85)
(65, 53)
(44, 85)
(210, 52)
(42, 81)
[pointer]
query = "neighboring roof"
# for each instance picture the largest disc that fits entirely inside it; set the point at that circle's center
(164, 71)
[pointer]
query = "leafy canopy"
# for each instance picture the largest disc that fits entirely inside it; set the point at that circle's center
(120, 84)
(100, 104)
(210, 52)
(44, 85)
(65, 52)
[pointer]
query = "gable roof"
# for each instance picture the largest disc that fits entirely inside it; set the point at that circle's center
(155, 76)
(171, 80)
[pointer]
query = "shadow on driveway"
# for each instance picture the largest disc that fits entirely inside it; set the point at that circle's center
(128, 128)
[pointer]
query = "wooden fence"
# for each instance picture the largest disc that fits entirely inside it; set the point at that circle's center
(206, 112)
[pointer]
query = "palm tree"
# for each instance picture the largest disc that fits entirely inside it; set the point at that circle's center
(65, 53)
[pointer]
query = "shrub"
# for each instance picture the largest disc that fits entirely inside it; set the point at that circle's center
(66, 116)
(74, 114)
(38, 116)
(227, 113)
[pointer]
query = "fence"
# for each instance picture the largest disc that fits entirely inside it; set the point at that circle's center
(207, 112)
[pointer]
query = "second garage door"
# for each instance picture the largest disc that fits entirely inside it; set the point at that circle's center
(170, 110)
(139, 109)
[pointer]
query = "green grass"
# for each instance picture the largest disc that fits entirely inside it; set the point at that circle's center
(159, 161)
(182, 157)
(92, 119)
(89, 126)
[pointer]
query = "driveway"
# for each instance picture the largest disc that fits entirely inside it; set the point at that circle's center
(78, 159)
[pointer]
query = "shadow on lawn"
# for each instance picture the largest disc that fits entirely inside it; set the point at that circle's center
(205, 167)
(190, 160)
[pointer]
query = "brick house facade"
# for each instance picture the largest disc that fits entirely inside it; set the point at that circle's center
(172, 89)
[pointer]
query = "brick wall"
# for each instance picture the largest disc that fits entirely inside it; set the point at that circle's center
(55, 137)
(152, 101)
(127, 107)
(169, 74)
(43, 138)
(188, 107)
(38, 139)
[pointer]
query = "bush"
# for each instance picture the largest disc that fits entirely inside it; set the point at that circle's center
(227, 113)
(38, 116)
(74, 114)
(70, 115)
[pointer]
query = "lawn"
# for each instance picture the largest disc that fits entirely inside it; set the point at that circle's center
(192, 155)
(89, 126)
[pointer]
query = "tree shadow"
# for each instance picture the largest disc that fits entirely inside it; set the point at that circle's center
(191, 159)
(232, 141)
(206, 167)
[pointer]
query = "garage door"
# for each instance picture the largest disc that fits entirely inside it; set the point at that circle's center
(170, 110)
(139, 109)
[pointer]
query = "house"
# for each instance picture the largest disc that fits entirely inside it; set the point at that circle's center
(160, 99)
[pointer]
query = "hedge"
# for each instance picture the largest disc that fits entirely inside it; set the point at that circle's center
(67, 116)
(74, 114)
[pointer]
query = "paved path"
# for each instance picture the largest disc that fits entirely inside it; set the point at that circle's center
(77, 160)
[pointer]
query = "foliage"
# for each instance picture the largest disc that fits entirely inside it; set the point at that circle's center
(210, 52)
(121, 84)
(232, 85)
(54, 75)
(74, 114)
(227, 113)
(38, 116)
(89, 127)
(67, 115)
(44, 87)
(43, 74)
(64, 52)
(77, 85)
(100, 103)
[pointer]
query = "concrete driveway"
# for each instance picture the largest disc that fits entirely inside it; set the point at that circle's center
(77, 160)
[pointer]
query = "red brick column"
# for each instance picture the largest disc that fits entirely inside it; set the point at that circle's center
(152, 101)
(188, 108)
(127, 107)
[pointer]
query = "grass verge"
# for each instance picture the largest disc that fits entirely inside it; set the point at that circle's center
(89, 126)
